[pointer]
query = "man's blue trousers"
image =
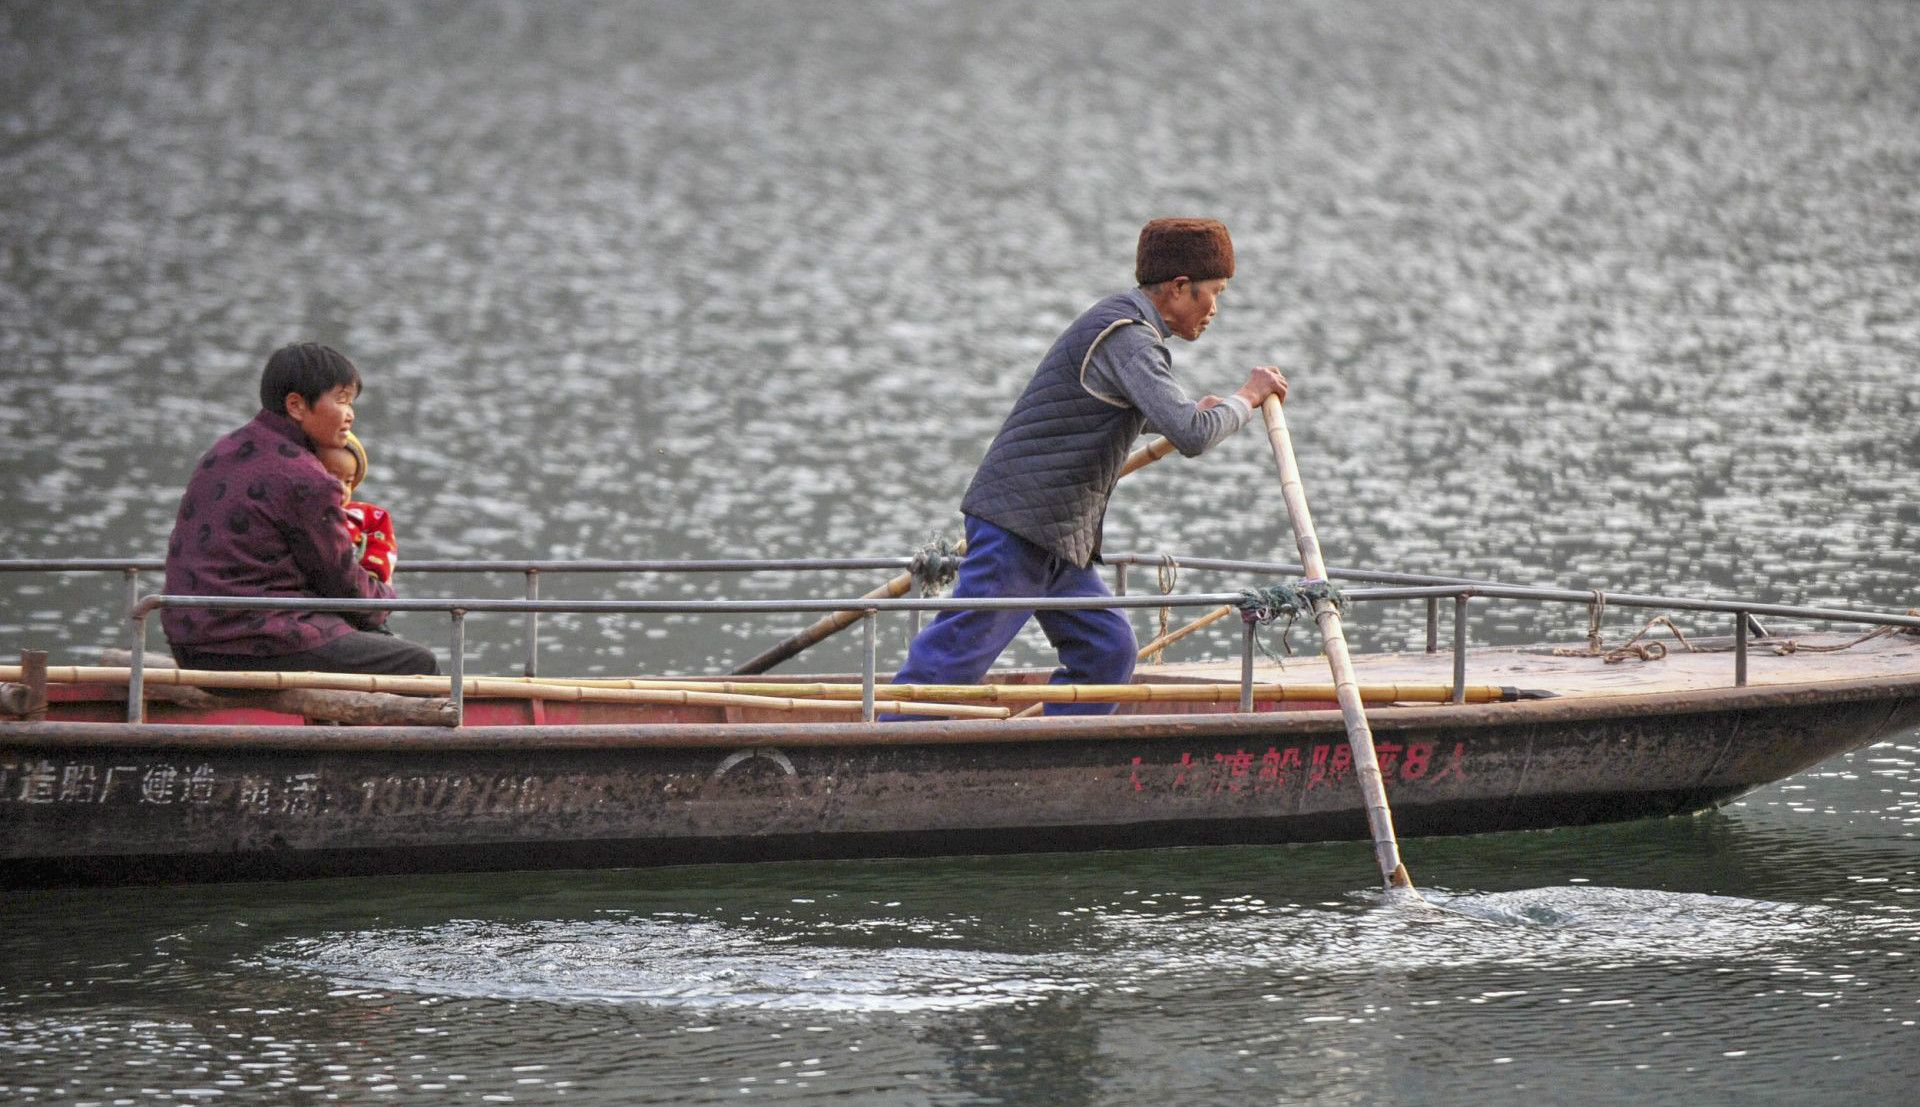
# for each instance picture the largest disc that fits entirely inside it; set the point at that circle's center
(1096, 645)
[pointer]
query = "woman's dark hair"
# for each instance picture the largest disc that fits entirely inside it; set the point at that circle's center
(308, 368)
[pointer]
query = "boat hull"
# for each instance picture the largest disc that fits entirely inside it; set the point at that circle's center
(117, 803)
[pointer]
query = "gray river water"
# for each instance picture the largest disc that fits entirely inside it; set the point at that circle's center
(1621, 295)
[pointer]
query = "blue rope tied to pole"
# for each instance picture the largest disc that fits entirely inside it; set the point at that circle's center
(935, 566)
(1261, 606)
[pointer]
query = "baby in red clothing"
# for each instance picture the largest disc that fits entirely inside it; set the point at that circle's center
(370, 527)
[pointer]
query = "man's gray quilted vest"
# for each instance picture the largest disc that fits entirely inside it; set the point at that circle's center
(1056, 459)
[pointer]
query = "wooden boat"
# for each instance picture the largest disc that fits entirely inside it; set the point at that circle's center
(245, 787)
(232, 788)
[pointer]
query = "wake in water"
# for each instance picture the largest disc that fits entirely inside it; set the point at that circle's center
(685, 961)
(670, 961)
(1676, 921)
(1570, 927)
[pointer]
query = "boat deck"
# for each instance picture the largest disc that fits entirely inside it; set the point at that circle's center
(1807, 658)
(1800, 660)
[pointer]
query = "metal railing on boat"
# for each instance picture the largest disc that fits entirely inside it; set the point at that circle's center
(532, 570)
(1399, 586)
(131, 568)
(871, 607)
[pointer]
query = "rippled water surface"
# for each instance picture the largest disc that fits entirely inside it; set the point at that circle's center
(1618, 294)
(1753, 956)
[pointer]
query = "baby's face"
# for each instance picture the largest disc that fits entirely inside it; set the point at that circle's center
(341, 463)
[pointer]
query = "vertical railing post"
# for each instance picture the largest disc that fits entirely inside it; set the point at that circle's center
(1246, 667)
(137, 672)
(457, 690)
(133, 586)
(1120, 579)
(1460, 648)
(871, 619)
(33, 674)
(1740, 649)
(1433, 624)
(533, 624)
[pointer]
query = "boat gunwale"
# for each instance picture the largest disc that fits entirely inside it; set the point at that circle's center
(987, 732)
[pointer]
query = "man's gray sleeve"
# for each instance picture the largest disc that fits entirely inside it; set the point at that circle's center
(1131, 367)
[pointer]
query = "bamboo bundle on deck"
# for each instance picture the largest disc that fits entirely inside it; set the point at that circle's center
(1198, 692)
(934, 694)
(1164, 693)
(689, 694)
(1213, 692)
(951, 700)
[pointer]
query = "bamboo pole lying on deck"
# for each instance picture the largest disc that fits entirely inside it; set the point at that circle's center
(815, 693)
(1208, 692)
(1192, 693)
(488, 688)
(1198, 692)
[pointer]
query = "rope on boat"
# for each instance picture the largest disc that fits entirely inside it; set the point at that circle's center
(1654, 651)
(1785, 646)
(1260, 606)
(1633, 647)
(1168, 574)
(936, 565)
(1595, 611)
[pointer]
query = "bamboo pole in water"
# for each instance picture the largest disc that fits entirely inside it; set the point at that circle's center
(829, 625)
(1366, 763)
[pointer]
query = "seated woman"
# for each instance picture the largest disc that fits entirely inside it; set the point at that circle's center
(261, 516)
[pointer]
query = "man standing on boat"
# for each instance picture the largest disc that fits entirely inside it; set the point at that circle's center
(261, 516)
(1035, 507)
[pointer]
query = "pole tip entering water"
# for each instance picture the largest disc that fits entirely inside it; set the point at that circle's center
(1402, 893)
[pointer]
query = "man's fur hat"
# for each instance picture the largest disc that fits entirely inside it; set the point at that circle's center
(1197, 249)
